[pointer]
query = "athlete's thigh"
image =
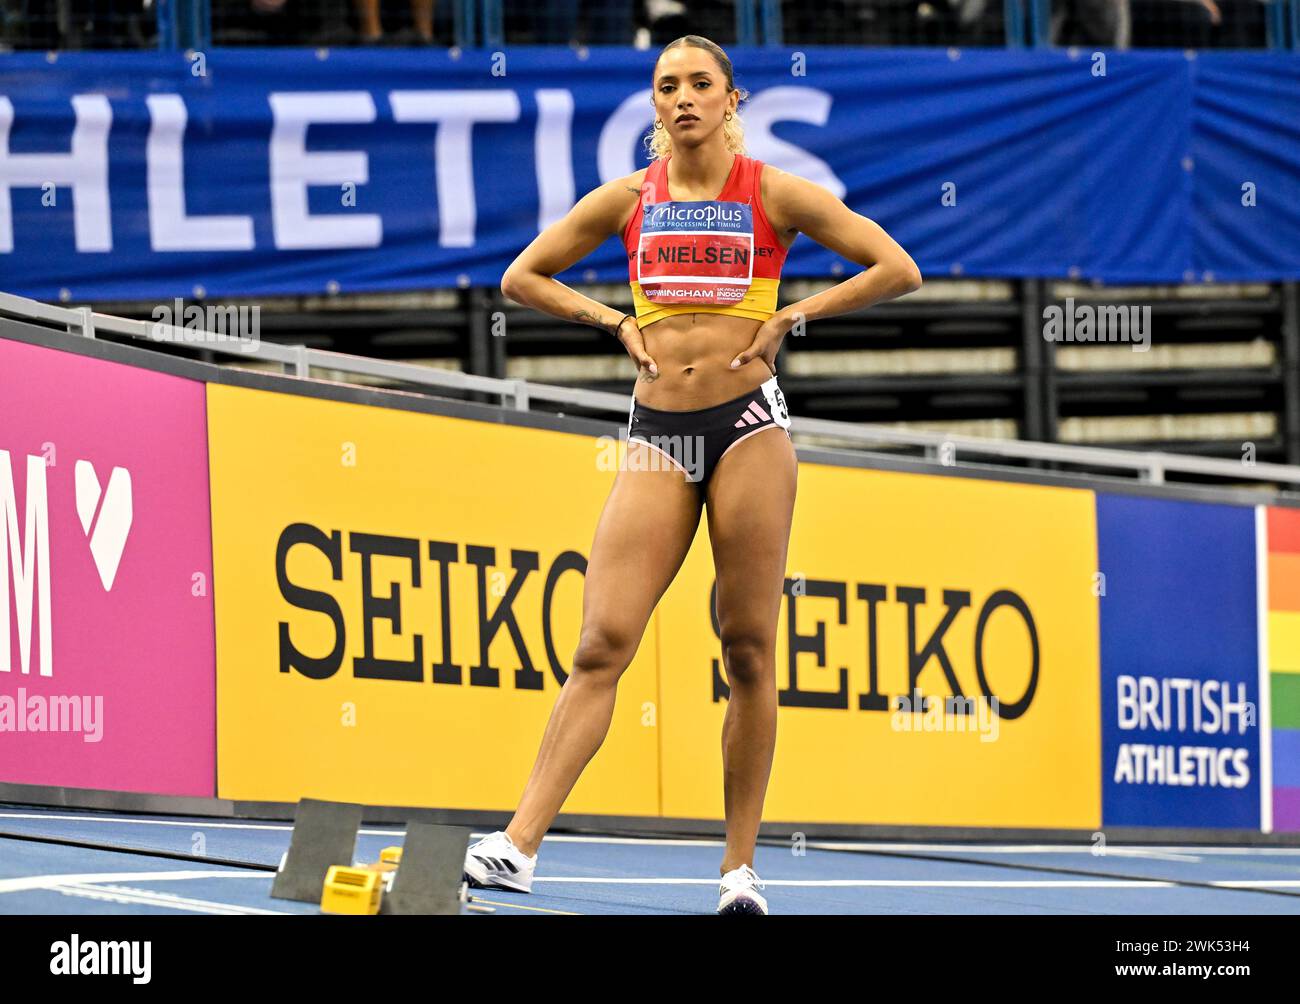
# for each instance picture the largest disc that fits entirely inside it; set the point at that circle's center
(750, 505)
(642, 537)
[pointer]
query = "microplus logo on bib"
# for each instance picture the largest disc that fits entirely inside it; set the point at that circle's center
(696, 252)
(720, 214)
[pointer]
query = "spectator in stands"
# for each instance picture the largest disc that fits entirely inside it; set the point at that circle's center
(1091, 22)
(1188, 24)
(931, 22)
(259, 22)
(77, 24)
(570, 22)
(318, 22)
(662, 20)
(372, 32)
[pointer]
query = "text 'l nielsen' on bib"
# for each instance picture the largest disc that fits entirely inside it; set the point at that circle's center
(696, 252)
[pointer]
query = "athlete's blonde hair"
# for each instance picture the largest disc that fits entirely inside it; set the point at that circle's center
(657, 143)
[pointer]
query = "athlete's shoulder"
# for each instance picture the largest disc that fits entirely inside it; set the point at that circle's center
(616, 189)
(613, 202)
(774, 192)
(633, 182)
(790, 200)
(624, 195)
(780, 184)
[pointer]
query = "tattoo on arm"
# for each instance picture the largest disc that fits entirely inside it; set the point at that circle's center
(634, 191)
(587, 317)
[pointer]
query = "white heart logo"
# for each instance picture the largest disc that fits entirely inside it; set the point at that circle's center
(108, 539)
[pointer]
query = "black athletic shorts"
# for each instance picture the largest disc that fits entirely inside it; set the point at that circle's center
(694, 441)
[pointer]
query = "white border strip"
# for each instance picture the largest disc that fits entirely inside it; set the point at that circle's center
(1265, 720)
(956, 847)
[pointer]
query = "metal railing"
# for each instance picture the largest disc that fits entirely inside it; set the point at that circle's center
(299, 361)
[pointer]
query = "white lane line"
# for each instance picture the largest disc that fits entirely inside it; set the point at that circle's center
(118, 820)
(572, 838)
(143, 897)
(519, 906)
(1051, 848)
(899, 883)
(44, 881)
(1131, 852)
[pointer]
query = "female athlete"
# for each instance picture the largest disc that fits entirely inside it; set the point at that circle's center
(706, 229)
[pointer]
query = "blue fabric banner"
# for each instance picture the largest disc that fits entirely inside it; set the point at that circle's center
(1246, 156)
(262, 172)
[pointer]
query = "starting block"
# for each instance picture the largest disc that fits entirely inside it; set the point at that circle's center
(429, 875)
(423, 876)
(324, 836)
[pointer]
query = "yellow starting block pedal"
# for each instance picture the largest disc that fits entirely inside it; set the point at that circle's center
(386, 867)
(353, 891)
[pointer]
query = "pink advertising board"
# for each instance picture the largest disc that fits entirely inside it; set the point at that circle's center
(107, 675)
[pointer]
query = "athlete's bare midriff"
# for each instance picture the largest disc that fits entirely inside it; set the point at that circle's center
(693, 353)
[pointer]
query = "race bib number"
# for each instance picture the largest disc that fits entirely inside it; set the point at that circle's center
(776, 403)
(696, 252)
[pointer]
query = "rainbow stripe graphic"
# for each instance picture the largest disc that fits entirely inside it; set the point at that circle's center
(1281, 673)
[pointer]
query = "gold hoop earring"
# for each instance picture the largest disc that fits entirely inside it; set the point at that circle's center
(728, 116)
(658, 124)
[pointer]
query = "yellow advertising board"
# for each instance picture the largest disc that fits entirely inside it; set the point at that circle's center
(398, 597)
(897, 583)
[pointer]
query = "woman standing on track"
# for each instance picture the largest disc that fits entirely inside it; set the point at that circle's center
(706, 231)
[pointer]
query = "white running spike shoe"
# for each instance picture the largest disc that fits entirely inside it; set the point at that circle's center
(738, 892)
(494, 862)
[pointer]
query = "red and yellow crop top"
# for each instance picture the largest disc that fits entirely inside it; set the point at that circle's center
(721, 257)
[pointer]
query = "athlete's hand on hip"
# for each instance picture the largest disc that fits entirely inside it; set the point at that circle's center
(766, 343)
(630, 335)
